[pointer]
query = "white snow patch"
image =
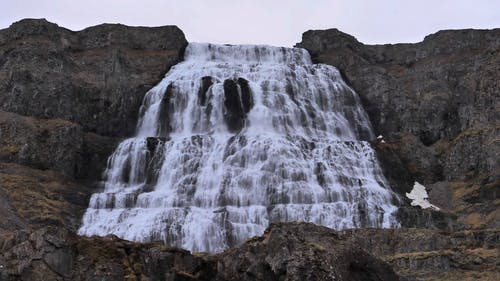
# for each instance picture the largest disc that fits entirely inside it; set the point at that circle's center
(419, 196)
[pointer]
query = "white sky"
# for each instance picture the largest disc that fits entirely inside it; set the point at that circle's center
(273, 22)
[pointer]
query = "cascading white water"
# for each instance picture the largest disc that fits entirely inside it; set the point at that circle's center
(237, 137)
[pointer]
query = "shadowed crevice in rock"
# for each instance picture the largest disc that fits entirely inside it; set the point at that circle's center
(166, 107)
(154, 160)
(238, 101)
(246, 95)
(206, 83)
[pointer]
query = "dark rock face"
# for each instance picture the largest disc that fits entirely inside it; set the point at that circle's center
(238, 101)
(64, 97)
(165, 108)
(434, 89)
(300, 251)
(436, 103)
(55, 254)
(206, 83)
(425, 254)
(96, 77)
(285, 252)
(54, 144)
(41, 144)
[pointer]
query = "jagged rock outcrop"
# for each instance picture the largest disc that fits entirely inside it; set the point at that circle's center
(301, 251)
(436, 103)
(52, 253)
(286, 251)
(426, 254)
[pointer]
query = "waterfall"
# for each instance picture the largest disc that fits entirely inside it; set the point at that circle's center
(237, 137)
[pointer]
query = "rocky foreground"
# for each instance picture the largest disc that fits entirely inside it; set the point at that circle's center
(286, 251)
(67, 98)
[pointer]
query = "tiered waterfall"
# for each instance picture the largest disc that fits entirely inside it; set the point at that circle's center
(237, 137)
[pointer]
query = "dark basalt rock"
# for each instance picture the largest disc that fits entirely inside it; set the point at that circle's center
(155, 159)
(301, 251)
(92, 82)
(55, 144)
(238, 101)
(246, 95)
(165, 108)
(435, 102)
(285, 252)
(152, 143)
(234, 114)
(62, 95)
(96, 77)
(33, 198)
(55, 254)
(206, 83)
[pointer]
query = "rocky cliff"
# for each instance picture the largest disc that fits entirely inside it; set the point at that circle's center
(96, 77)
(437, 105)
(67, 97)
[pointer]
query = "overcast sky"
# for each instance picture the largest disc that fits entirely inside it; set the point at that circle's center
(274, 22)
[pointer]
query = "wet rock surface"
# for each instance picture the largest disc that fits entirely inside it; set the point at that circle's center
(238, 101)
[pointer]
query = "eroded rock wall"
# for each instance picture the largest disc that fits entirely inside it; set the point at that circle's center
(96, 77)
(437, 105)
(66, 99)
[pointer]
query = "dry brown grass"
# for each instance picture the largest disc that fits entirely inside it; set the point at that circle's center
(40, 197)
